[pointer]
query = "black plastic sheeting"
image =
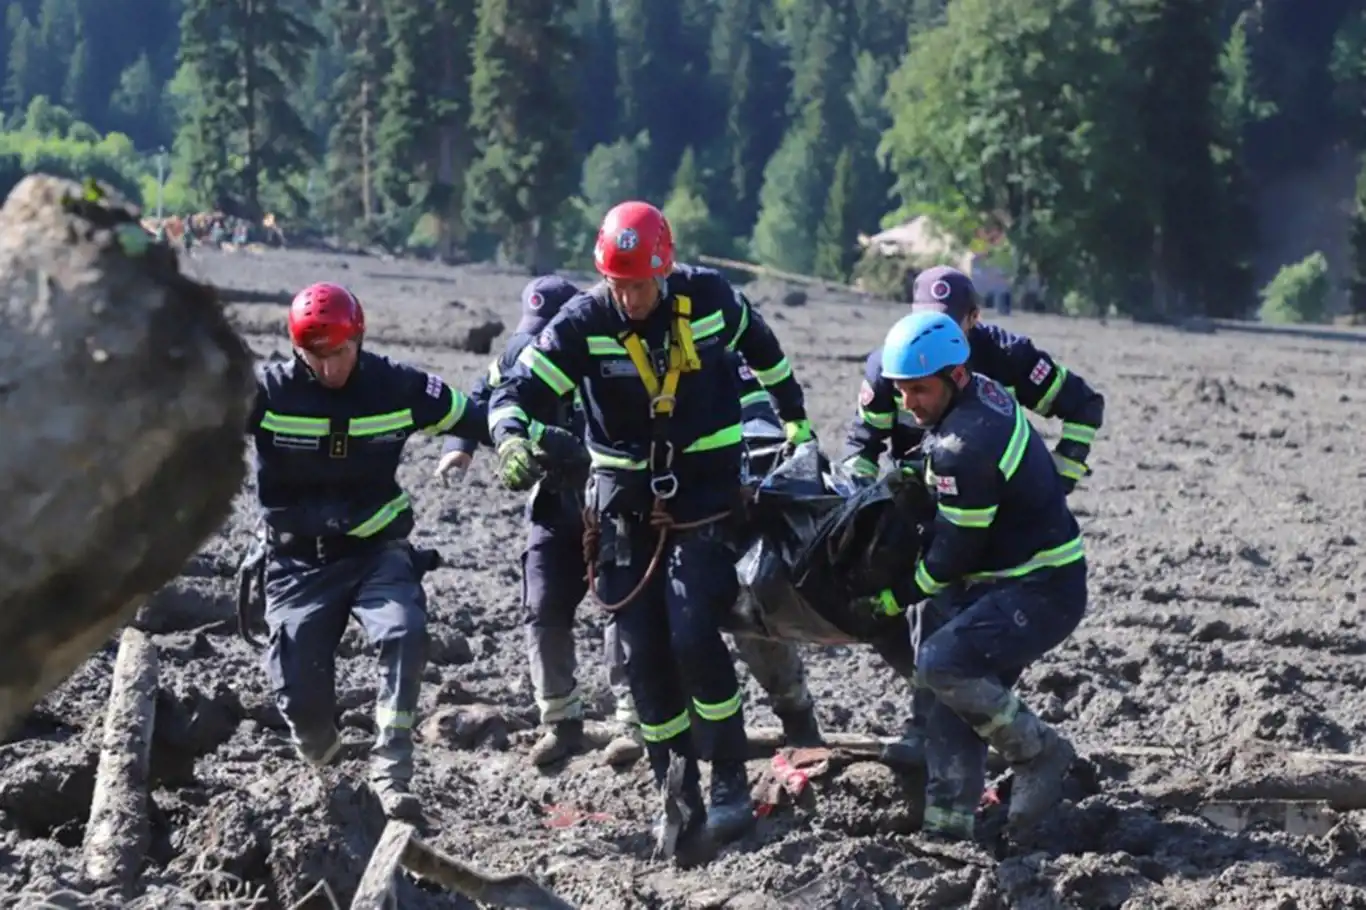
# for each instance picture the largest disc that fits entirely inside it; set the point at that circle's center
(818, 541)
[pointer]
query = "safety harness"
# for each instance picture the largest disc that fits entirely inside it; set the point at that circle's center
(663, 391)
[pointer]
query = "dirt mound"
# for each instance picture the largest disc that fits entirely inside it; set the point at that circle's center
(1224, 644)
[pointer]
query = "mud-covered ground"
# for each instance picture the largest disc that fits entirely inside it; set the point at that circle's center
(1223, 522)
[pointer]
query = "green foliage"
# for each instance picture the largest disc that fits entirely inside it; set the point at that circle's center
(1299, 293)
(886, 276)
(48, 140)
(1356, 285)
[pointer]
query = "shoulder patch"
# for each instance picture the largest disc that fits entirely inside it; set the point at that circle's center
(545, 341)
(994, 396)
(946, 484)
(434, 385)
(866, 394)
(1040, 371)
(745, 372)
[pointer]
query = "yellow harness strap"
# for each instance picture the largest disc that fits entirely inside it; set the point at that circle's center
(682, 359)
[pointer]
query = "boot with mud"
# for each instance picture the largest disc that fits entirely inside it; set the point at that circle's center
(625, 749)
(397, 800)
(800, 728)
(681, 827)
(1040, 758)
(563, 739)
(731, 812)
(321, 751)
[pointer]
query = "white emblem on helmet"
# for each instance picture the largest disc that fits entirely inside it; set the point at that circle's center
(536, 301)
(941, 290)
(627, 240)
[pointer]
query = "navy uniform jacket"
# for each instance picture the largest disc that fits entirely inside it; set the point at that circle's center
(326, 459)
(581, 348)
(1001, 504)
(1031, 375)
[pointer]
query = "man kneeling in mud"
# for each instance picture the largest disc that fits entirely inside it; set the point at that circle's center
(1003, 561)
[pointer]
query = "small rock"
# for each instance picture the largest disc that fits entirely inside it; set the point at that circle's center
(470, 726)
(448, 647)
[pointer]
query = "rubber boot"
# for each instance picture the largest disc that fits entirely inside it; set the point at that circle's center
(564, 738)
(800, 728)
(732, 809)
(1040, 758)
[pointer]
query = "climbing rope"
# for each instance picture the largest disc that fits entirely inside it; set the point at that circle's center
(662, 522)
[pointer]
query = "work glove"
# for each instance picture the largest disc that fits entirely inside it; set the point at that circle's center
(798, 431)
(860, 467)
(519, 464)
(883, 603)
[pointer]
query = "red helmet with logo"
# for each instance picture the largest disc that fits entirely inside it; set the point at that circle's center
(325, 316)
(635, 242)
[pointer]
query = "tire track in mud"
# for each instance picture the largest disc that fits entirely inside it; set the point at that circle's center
(1223, 533)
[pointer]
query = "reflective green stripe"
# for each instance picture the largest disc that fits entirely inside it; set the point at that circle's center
(382, 518)
(546, 371)
(1045, 405)
(1078, 432)
(750, 399)
(968, 518)
(1067, 467)
(658, 733)
(925, 581)
(1052, 558)
(291, 425)
(1003, 716)
(708, 326)
(376, 424)
(1015, 449)
(732, 435)
(719, 711)
(507, 412)
(744, 324)
(458, 404)
(389, 719)
(878, 420)
(887, 601)
(774, 374)
(605, 346)
(959, 822)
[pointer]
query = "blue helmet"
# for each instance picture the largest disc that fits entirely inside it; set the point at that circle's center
(921, 345)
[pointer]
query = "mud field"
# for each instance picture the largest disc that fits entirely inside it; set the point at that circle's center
(1226, 633)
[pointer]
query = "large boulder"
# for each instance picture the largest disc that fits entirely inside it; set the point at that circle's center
(124, 395)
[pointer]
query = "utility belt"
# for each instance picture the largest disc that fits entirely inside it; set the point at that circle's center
(328, 549)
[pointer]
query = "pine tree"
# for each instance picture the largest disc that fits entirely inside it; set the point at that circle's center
(349, 198)
(838, 230)
(521, 98)
(1356, 289)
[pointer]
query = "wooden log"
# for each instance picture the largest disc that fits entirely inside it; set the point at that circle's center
(119, 832)
(127, 394)
(399, 847)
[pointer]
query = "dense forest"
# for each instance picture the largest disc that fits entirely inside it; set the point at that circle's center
(1109, 148)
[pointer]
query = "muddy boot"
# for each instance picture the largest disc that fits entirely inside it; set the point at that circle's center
(948, 824)
(625, 749)
(321, 752)
(398, 802)
(564, 738)
(1040, 758)
(732, 810)
(800, 728)
(907, 752)
(681, 827)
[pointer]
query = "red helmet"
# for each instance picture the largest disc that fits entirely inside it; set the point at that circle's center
(635, 242)
(325, 316)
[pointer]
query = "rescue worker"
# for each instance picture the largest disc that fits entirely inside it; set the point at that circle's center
(329, 426)
(554, 579)
(1036, 380)
(647, 350)
(1006, 547)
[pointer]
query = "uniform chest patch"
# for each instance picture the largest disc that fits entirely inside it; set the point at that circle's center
(617, 368)
(994, 396)
(295, 443)
(866, 394)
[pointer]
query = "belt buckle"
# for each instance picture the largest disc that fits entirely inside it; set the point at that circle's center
(663, 481)
(661, 399)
